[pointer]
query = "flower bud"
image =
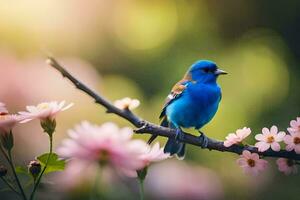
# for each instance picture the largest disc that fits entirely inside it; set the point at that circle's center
(34, 168)
(49, 125)
(3, 171)
(142, 173)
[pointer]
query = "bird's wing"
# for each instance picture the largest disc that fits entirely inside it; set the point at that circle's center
(175, 93)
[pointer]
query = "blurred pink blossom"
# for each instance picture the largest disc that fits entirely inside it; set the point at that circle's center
(106, 144)
(43, 111)
(154, 154)
(287, 166)
(178, 180)
(251, 163)
(75, 174)
(292, 142)
(7, 122)
(127, 103)
(269, 138)
(240, 135)
(295, 126)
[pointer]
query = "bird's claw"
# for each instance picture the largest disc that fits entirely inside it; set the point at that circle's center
(203, 140)
(141, 129)
(179, 134)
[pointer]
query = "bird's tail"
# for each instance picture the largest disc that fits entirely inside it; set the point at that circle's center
(173, 146)
(164, 123)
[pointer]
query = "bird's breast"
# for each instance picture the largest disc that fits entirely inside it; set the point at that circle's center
(195, 107)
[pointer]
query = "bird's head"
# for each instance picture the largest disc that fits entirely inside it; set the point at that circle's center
(205, 71)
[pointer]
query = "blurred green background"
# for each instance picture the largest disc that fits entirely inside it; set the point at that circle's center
(140, 49)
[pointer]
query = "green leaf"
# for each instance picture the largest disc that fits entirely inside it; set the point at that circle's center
(54, 163)
(21, 170)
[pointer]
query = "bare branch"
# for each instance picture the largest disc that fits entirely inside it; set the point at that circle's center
(144, 126)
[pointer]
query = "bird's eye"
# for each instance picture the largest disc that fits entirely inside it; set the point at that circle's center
(206, 70)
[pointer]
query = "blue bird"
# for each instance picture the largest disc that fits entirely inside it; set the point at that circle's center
(193, 102)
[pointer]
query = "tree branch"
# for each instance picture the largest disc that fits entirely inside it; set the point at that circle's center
(144, 126)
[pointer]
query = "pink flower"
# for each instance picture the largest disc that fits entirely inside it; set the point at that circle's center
(175, 180)
(287, 166)
(107, 145)
(293, 142)
(295, 126)
(43, 111)
(240, 135)
(269, 138)
(7, 122)
(3, 110)
(127, 103)
(154, 154)
(251, 163)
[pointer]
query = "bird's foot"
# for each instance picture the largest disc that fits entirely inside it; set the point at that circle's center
(203, 140)
(179, 134)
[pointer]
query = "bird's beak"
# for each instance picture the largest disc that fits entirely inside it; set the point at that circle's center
(220, 72)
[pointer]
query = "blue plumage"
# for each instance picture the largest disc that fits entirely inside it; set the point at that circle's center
(193, 102)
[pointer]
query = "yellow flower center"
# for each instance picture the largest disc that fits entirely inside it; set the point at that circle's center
(251, 162)
(297, 140)
(270, 139)
(43, 106)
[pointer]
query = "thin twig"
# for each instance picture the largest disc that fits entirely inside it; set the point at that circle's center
(10, 186)
(13, 169)
(150, 128)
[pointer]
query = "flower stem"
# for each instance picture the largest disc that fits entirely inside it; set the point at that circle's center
(141, 187)
(15, 175)
(10, 186)
(9, 159)
(37, 182)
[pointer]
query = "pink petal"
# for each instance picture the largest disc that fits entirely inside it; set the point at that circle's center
(288, 139)
(228, 143)
(246, 154)
(265, 131)
(275, 146)
(262, 146)
(293, 123)
(261, 164)
(290, 147)
(297, 149)
(242, 162)
(280, 136)
(260, 137)
(255, 156)
(274, 129)
(68, 106)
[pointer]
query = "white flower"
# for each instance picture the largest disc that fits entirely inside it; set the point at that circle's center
(269, 138)
(43, 111)
(127, 103)
(240, 135)
(251, 163)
